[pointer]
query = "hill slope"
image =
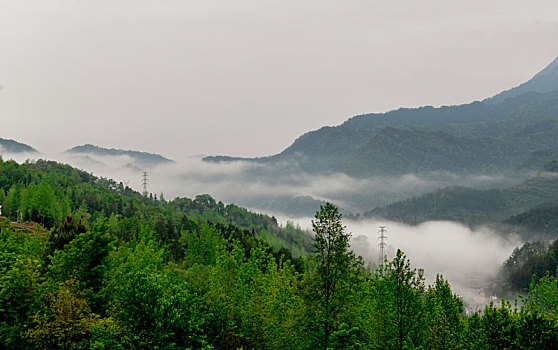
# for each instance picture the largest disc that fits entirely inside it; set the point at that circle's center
(544, 81)
(142, 159)
(496, 133)
(11, 146)
(471, 206)
(44, 191)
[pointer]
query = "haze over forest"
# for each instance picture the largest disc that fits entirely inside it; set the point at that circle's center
(320, 167)
(202, 135)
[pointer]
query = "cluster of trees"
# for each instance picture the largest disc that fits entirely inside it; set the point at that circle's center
(521, 205)
(84, 288)
(542, 220)
(527, 264)
(44, 191)
(396, 151)
(158, 279)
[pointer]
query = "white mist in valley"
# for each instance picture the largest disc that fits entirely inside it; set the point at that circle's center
(468, 258)
(266, 187)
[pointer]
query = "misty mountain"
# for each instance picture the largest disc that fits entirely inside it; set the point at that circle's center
(542, 220)
(426, 151)
(473, 206)
(544, 81)
(140, 159)
(493, 135)
(11, 146)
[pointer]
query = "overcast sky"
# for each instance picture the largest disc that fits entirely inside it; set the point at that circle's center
(246, 77)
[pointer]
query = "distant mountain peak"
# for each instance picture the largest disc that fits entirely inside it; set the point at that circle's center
(544, 81)
(550, 71)
(142, 159)
(11, 146)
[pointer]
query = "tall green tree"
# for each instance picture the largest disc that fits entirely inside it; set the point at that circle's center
(335, 270)
(443, 316)
(398, 311)
(62, 235)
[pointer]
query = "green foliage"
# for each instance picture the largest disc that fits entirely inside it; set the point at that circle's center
(543, 296)
(12, 202)
(397, 303)
(536, 331)
(108, 334)
(39, 204)
(150, 300)
(19, 277)
(529, 262)
(62, 235)
(66, 322)
(123, 271)
(443, 315)
(84, 260)
(334, 270)
(500, 326)
(202, 246)
(472, 206)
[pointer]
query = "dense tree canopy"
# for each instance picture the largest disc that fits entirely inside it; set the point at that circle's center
(117, 270)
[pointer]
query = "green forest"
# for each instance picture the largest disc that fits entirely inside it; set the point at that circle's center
(529, 207)
(88, 263)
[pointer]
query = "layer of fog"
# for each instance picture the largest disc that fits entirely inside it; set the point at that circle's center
(468, 259)
(267, 187)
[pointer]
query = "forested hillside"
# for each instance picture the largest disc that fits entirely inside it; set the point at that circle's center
(472, 207)
(501, 134)
(45, 191)
(117, 270)
(527, 265)
(486, 137)
(394, 151)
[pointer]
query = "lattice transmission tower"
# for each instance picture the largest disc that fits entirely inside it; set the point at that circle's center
(144, 181)
(382, 244)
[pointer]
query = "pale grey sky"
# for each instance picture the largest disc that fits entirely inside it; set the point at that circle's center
(246, 77)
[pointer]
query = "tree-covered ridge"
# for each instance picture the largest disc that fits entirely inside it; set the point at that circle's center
(45, 191)
(472, 206)
(142, 159)
(483, 135)
(85, 287)
(392, 150)
(528, 264)
(542, 220)
(11, 146)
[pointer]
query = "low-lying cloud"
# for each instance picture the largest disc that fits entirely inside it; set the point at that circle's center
(268, 187)
(468, 259)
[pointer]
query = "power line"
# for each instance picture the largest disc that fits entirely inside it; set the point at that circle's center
(382, 231)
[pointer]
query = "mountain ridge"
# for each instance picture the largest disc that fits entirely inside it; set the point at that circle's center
(474, 206)
(544, 81)
(526, 120)
(143, 159)
(12, 146)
